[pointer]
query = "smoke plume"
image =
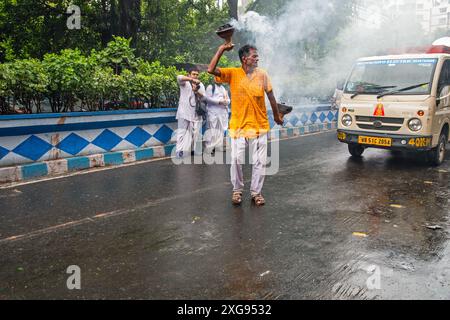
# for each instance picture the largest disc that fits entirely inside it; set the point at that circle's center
(313, 44)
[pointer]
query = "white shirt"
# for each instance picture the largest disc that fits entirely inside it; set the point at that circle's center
(213, 99)
(186, 105)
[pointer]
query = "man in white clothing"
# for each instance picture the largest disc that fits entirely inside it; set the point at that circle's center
(217, 119)
(189, 122)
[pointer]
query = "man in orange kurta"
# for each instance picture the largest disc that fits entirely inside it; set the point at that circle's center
(249, 124)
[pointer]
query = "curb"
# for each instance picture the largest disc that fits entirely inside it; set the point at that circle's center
(61, 166)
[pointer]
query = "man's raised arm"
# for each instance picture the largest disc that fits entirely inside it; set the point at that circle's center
(182, 78)
(215, 60)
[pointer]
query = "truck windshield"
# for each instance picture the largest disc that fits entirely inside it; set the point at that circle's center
(376, 77)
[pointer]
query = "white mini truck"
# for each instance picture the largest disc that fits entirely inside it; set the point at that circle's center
(398, 102)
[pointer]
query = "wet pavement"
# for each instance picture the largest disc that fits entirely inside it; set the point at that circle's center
(332, 228)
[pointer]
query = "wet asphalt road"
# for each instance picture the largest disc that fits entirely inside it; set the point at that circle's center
(332, 228)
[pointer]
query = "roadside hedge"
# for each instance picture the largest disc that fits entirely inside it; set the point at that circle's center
(105, 80)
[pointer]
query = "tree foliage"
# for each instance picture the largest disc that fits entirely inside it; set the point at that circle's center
(162, 30)
(122, 56)
(26, 81)
(103, 80)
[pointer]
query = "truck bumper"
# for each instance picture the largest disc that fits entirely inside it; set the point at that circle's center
(398, 142)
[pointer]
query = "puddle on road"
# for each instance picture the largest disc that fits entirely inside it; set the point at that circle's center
(403, 206)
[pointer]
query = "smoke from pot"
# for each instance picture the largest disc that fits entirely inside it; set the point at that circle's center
(302, 62)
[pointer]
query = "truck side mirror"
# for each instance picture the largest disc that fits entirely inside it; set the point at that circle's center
(340, 85)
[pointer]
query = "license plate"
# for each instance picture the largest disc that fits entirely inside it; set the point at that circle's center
(375, 141)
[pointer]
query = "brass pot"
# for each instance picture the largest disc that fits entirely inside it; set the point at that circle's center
(225, 32)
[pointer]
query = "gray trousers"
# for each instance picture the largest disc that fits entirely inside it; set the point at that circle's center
(258, 158)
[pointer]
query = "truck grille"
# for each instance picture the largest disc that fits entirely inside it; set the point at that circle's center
(397, 123)
(382, 119)
(382, 128)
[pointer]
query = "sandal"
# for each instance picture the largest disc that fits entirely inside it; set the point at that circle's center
(258, 199)
(237, 197)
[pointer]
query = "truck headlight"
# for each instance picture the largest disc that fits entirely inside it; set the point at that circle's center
(346, 120)
(415, 124)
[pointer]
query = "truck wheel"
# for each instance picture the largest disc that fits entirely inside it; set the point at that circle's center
(437, 155)
(356, 150)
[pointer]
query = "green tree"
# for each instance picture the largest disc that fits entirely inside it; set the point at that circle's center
(180, 28)
(27, 82)
(66, 72)
(164, 87)
(129, 18)
(114, 87)
(94, 86)
(158, 29)
(5, 89)
(40, 27)
(118, 54)
(6, 50)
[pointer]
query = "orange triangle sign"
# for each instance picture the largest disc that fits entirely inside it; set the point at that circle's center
(379, 110)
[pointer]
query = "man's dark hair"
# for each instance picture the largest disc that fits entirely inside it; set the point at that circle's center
(245, 51)
(192, 68)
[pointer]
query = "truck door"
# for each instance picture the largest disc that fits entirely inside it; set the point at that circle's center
(443, 100)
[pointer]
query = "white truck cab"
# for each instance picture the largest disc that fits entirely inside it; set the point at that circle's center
(398, 102)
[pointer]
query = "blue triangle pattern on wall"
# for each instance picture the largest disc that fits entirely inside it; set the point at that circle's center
(107, 140)
(3, 152)
(164, 134)
(138, 136)
(33, 148)
(72, 144)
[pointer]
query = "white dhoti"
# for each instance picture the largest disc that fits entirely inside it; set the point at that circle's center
(258, 150)
(217, 124)
(187, 135)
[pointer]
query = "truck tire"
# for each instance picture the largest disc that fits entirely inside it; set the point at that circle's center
(437, 155)
(356, 150)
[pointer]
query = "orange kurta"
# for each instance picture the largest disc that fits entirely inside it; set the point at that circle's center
(248, 108)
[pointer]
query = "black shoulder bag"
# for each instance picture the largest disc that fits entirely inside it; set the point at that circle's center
(200, 106)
